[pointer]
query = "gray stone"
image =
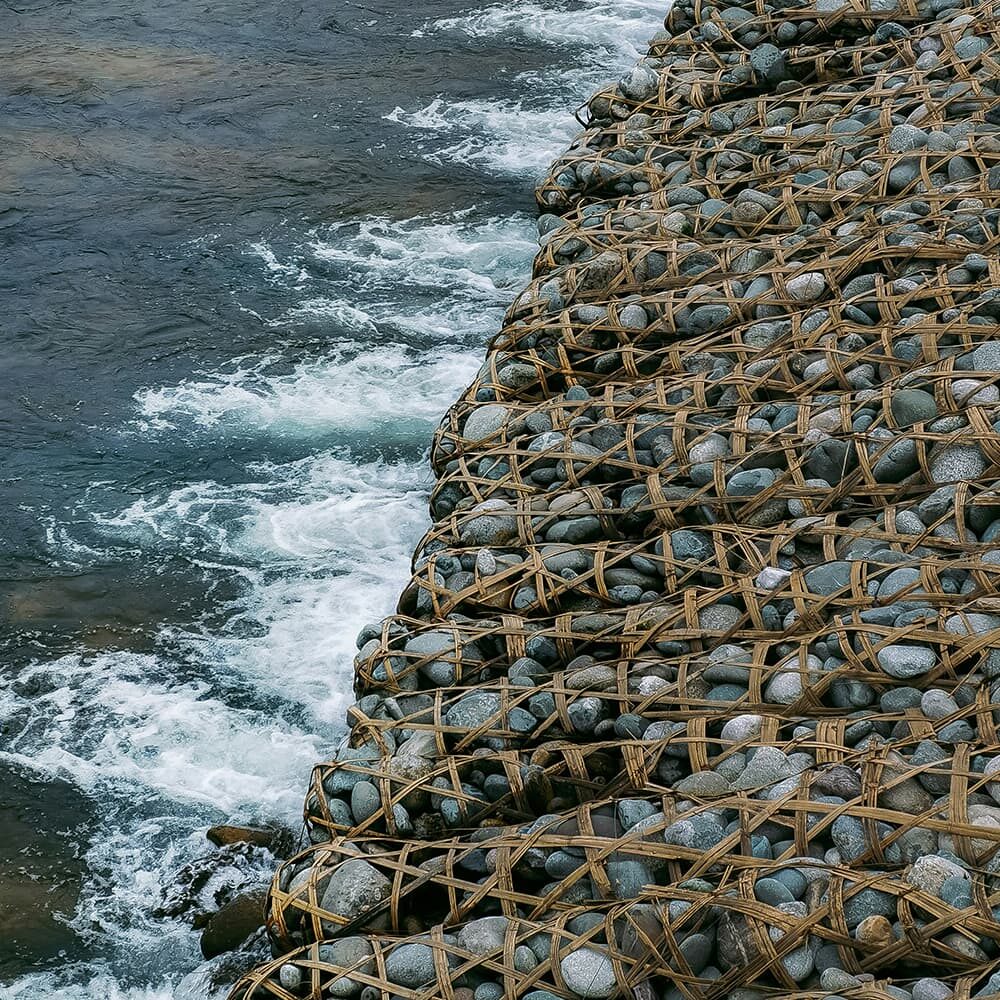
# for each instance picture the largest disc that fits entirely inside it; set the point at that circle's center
(750, 482)
(828, 578)
(957, 462)
(473, 710)
(767, 766)
(410, 965)
(902, 662)
(493, 524)
(355, 887)
(589, 973)
(351, 954)
(806, 287)
(912, 406)
(904, 138)
(937, 704)
(768, 63)
(703, 785)
(867, 903)
(585, 714)
(719, 617)
(365, 800)
(772, 892)
(290, 976)
(930, 989)
(484, 421)
(628, 877)
(897, 461)
(930, 873)
(485, 934)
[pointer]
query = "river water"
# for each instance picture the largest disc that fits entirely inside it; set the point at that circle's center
(250, 253)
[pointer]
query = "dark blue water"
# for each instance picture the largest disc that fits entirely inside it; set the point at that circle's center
(250, 254)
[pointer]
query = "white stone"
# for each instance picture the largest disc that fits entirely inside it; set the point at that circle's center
(589, 973)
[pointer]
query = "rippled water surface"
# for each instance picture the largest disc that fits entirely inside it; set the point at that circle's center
(250, 254)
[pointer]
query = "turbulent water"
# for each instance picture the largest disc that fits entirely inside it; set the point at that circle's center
(247, 265)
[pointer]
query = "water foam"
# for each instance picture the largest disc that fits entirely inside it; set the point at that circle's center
(391, 390)
(431, 287)
(606, 33)
(522, 136)
(507, 137)
(323, 544)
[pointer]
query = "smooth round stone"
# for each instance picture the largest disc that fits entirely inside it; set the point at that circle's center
(489, 991)
(793, 881)
(484, 421)
(957, 462)
(937, 704)
(290, 976)
(365, 801)
(633, 317)
(806, 287)
(970, 47)
(524, 959)
(828, 578)
(697, 951)
(912, 406)
(410, 965)
(632, 811)
(904, 138)
(750, 482)
(473, 710)
(897, 461)
(709, 448)
(742, 727)
(902, 662)
(904, 578)
(703, 785)
(931, 989)
(627, 878)
(784, 688)
(772, 892)
(589, 973)
(719, 617)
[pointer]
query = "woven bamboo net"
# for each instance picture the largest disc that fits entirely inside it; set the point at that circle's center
(694, 690)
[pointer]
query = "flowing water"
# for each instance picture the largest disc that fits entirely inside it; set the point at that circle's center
(250, 253)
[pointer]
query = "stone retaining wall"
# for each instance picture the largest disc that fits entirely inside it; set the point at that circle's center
(694, 690)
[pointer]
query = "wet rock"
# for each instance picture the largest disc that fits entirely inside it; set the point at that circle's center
(231, 925)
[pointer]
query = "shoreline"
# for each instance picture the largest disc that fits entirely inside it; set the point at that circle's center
(690, 693)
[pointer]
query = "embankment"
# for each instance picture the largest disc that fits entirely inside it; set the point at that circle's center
(692, 692)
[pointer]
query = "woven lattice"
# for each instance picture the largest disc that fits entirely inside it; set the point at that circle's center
(694, 691)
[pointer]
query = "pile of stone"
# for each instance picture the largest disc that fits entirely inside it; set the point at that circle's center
(695, 689)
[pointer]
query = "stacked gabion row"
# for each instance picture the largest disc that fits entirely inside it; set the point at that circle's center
(695, 689)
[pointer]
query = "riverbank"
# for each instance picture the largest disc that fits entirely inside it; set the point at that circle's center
(691, 691)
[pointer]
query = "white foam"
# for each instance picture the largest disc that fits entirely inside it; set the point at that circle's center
(117, 719)
(502, 136)
(602, 32)
(324, 546)
(445, 255)
(351, 389)
(439, 284)
(92, 984)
